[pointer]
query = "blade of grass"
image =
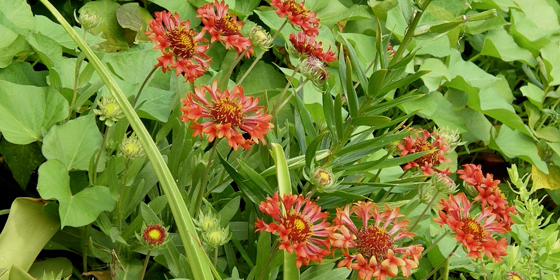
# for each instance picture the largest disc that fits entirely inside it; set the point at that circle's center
(200, 266)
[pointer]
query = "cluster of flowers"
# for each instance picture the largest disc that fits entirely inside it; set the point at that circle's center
(229, 114)
(431, 142)
(370, 247)
(475, 231)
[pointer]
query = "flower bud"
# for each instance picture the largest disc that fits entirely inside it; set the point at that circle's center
(109, 110)
(217, 236)
(206, 222)
(470, 190)
(512, 275)
(324, 180)
(313, 69)
(425, 193)
(88, 19)
(260, 38)
(131, 147)
(443, 183)
(153, 235)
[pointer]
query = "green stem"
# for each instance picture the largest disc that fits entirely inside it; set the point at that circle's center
(424, 212)
(121, 194)
(270, 257)
(143, 85)
(281, 95)
(433, 244)
(442, 263)
(225, 78)
(260, 55)
(215, 257)
(199, 263)
(204, 181)
(99, 154)
(85, 247)
(409, 33)
(146, 261)
(76, 81)
(286, 100)
(445, 273)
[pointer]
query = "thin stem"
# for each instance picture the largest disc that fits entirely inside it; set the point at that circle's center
(121, 194)
(281, 95)
(445, 273)
(230, 70)
(99, 154)
(286, 100)
(392, 187)
(84, 248)
(205, 178)
(367, 69)
(215, 257)
(442, 263)
(433, 244)
(146, 261)
(76, 81)
(424, 212)
(409, 33)
(143, 85)
(260, 55)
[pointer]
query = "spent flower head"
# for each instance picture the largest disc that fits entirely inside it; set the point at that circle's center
(314, 69)
(109, 110)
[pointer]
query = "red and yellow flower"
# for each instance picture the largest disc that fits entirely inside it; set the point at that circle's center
(489, 193)
(421, 143)
(475, 233)
(224, 26)
(302, 227)
(183, 48)
(227, 114)
(298, 15)
(154, 234)
(370, 248)
(307, 46)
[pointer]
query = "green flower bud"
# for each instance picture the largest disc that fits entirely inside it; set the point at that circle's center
(443, 183)
(260, 38)
(426, 193)
(206, 222)
(131, 147)
(313, 69)
(324, 180)
(449, 136)
(470, 190)
(217, 236)
(109, 110)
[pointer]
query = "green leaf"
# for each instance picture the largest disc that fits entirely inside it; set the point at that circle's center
(254, 194)
(22, 73)
(25, 233)
(312, 148)
(11, 44)
(16, 15)
(551, 59)
(550, 181)
(534, 94)
(184, 8)
(229, 210)
(263, 77)
(56, 266)
(438, 73)
(513, 143)
(74, 143)
(530, 32)
(498, 43)
(27, 110)
(75, 209)
(135, 18)
(22, 160)
(105, 12)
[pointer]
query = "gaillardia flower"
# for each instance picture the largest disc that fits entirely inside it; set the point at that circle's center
(302, 227)
(489, 193)
(153, 235)
(307, 46)
(421, 143)
(224, 26)
(183, 48)
(298, 15)
(227, 114)
(475, 233)
(370, 248)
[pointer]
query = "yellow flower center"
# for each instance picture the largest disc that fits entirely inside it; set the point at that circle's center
(154, 234)
(299, 229)
(374, 242)
(298, 9)
(472, 227)
(228, 25)
(225, 111)
(182, 42)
